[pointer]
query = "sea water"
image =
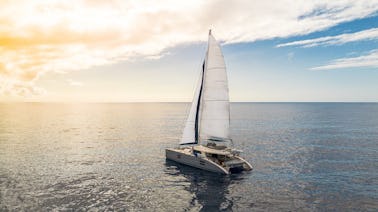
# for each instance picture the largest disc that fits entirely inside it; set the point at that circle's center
(306, 157)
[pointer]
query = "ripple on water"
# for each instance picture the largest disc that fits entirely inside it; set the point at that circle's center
(306, 157)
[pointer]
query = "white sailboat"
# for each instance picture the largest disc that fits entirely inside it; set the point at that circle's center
(206, 138)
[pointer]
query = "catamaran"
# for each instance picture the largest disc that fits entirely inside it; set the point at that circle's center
(206, 141)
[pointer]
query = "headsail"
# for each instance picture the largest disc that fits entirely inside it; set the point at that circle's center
(215, 105)
(190, 134)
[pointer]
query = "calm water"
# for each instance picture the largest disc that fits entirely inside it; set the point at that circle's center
(306, 156)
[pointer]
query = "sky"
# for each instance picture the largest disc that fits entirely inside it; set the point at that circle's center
(141, 51)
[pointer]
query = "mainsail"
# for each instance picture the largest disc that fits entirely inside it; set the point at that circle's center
(209, 117)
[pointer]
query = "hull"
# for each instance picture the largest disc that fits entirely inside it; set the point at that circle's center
(186, 157)
(182, 157)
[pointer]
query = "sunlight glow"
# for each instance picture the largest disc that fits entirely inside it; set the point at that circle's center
(43, 37)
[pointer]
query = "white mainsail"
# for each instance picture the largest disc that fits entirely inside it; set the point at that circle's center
(209, 117)
(215, 105)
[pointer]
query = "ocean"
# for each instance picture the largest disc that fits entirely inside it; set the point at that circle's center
(306, 157)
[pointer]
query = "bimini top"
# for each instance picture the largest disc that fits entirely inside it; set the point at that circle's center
(201, 148)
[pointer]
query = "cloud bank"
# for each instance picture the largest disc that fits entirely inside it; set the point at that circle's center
(369, 60)
(370, 34)
(44, 36)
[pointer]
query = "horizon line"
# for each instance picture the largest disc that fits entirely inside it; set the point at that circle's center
(125, 102)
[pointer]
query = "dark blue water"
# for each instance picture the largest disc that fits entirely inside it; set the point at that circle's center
(306, 157)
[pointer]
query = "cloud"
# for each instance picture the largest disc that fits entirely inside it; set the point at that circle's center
(370, 34)
(60, 36)
(17, 88)
(369, 60)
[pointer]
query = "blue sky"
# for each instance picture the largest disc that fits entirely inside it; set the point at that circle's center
(138, 51)
(284, 74)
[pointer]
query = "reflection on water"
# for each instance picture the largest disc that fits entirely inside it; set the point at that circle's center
(210, 189)
(306, 157)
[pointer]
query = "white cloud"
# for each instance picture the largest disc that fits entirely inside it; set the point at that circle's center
(42, 36)
(369, 60)
(370, 34)
(19, 88)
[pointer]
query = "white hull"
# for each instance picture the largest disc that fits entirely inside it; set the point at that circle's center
(186, 156)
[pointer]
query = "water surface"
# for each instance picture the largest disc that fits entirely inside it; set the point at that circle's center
(306, 156)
